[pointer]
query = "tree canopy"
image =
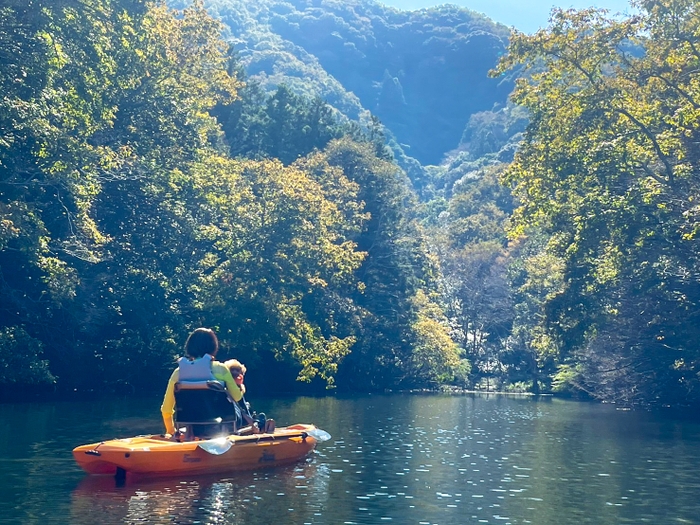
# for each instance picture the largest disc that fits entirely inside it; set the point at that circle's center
(608, 170)
(146, 190)
(152, 182)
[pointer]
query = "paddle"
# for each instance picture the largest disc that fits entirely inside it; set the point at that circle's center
(218, 446)
(319, 434)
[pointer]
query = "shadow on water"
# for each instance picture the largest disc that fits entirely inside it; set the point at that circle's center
(199, 499)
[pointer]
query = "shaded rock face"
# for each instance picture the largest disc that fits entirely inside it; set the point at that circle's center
(423, 73)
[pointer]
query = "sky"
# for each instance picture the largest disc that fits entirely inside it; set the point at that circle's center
(526, 15)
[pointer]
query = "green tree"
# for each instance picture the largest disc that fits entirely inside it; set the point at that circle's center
(477, 298)
(277, 243)
(282, 125)
(57, 64)
(21, 359)
(174, 71)
(396, 268)
(125, 222)
(609, 170)
(91, 232)
(531, 352)
(436, 359)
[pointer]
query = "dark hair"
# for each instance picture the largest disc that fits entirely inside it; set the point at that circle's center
(202, 341)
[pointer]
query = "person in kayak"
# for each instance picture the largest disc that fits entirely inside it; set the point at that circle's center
(238, 371)
(258, 422)
(198, 365)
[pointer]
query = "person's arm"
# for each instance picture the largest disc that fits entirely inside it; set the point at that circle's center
(239, 382)
(168, 406)
(224, 374)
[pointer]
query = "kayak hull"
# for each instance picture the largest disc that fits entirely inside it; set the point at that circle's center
(158, 456)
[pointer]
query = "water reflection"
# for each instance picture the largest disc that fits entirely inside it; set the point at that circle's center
(418, 459)
(457, 459)
(202, 499)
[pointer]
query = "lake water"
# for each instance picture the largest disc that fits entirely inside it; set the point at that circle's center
(418, 459)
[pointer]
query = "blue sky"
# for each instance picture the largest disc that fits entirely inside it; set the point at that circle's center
(525, 15)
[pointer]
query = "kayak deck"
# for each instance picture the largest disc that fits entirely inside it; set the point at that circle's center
(159, 456)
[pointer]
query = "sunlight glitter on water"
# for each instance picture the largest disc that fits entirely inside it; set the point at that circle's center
(424, 459)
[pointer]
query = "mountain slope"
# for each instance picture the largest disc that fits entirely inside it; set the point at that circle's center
(423, 73)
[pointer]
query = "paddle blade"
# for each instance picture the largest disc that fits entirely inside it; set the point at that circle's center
(216, 446)
(319, 435)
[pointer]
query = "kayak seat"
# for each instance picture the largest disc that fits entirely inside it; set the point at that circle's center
(206, 409)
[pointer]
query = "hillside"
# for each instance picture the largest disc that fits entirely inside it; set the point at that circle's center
(423, 73)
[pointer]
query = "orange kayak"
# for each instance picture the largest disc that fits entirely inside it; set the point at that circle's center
(158, 456)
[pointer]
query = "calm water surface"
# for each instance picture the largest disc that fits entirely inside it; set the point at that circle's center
(401, 459)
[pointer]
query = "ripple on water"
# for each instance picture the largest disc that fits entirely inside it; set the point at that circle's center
(484, 460)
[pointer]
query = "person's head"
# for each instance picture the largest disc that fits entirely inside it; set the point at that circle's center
(236, 368)
(202, 341)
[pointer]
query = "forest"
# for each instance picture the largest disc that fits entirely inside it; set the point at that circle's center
(153, 180)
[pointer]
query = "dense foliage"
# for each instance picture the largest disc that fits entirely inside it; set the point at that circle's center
(608, 172)
(422, 73)
(144, 190)
(162, 169)
(595, 290)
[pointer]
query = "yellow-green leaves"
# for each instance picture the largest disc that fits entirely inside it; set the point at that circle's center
(278, 238)
(609, 170)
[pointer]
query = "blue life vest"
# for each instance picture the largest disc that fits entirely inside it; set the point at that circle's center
(196, 369)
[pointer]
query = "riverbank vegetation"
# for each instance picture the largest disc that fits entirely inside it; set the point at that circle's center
(148, 186)
(146, 191)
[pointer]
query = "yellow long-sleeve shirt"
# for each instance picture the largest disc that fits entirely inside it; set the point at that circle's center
(219, 371)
